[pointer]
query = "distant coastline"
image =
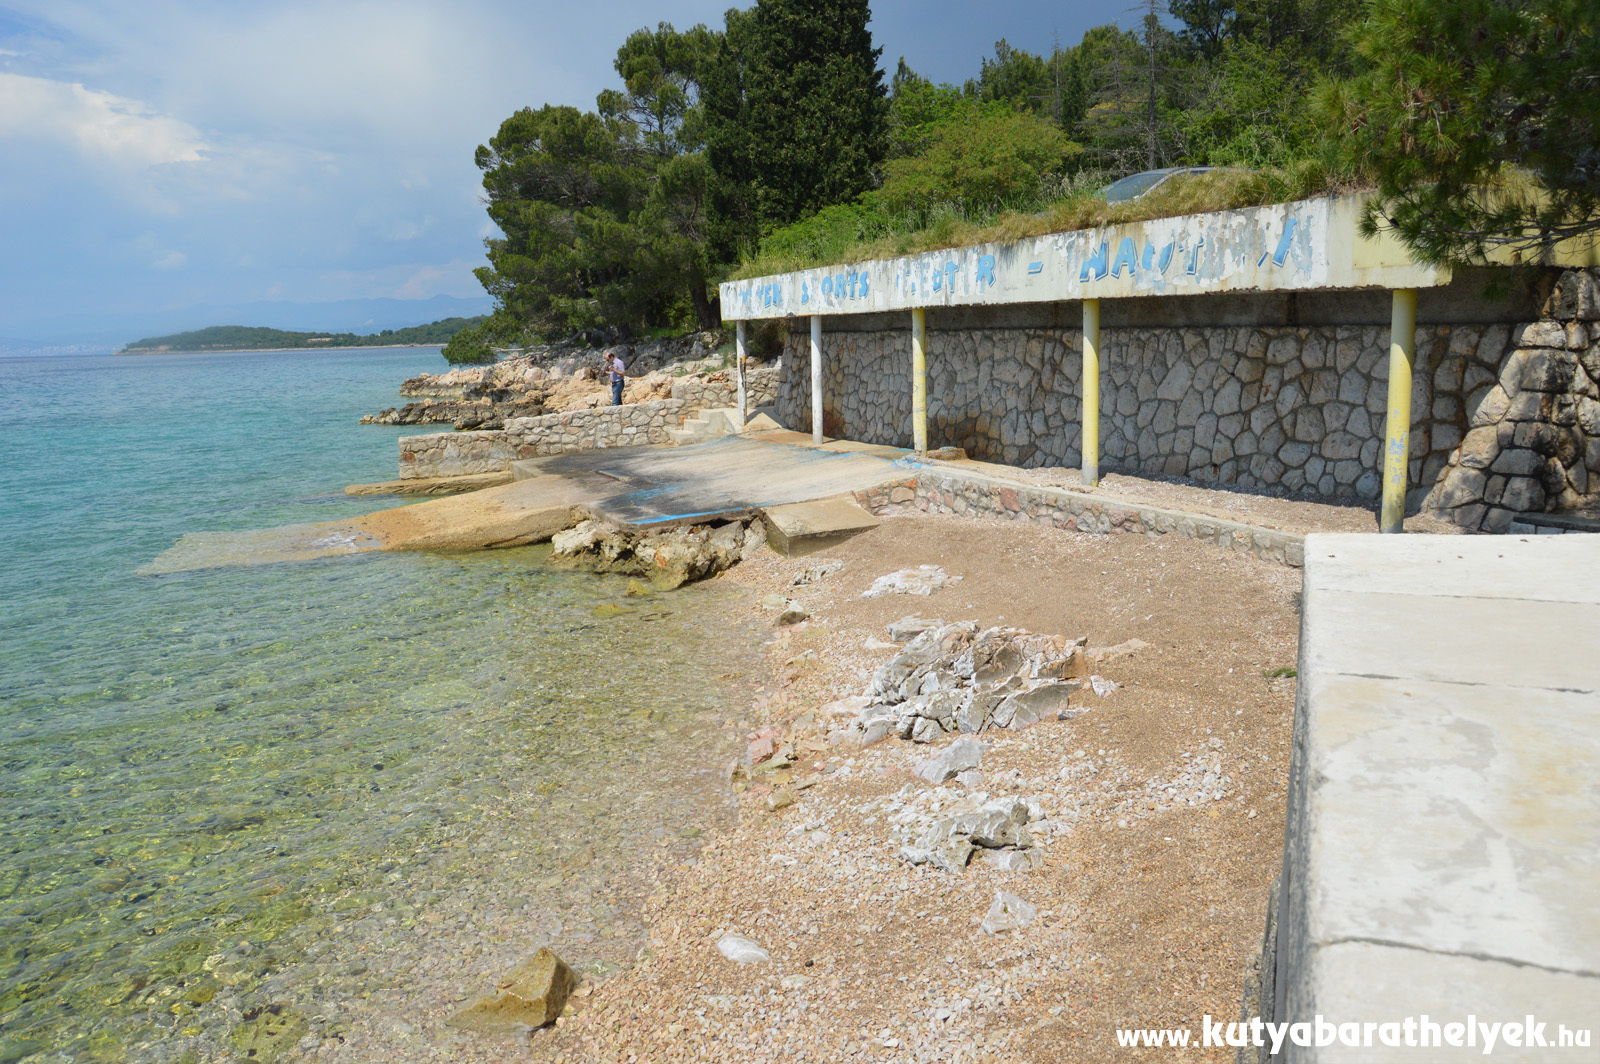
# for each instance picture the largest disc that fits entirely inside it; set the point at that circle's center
(249, 350)
(238, 338)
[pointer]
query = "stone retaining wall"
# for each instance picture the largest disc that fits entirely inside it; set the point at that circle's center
(1504, 417)
(942, 491)
(721, 390)
(450, 454)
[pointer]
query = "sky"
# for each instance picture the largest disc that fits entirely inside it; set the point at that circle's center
(178, 163)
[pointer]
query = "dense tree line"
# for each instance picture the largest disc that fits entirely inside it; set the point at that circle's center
(1476, 121)
(260, 338)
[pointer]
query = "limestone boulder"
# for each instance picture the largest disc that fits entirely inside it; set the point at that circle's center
(531, 996)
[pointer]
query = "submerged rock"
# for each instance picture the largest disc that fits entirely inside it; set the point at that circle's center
(531, 996)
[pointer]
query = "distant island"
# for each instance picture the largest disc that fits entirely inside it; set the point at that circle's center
(250, 338)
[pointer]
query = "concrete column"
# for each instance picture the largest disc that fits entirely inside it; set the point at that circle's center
(1397, 446)
(1091, 392)
(739, 355)
(919, 380)
(816, 379)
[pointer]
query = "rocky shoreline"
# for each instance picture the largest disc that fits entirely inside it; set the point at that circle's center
(1001, 789)
(558, 379)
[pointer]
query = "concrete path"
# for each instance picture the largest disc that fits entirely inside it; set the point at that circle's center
(1443, 851)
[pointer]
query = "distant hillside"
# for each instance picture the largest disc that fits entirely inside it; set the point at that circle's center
(248, 338)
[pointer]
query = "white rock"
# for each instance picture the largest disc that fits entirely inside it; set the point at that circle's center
(1007, 913)
(1102, 686)
(923, 580)
(741, 950)
(953, 759)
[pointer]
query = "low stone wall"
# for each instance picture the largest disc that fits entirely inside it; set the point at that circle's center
(456, 453)
(1298, 407)
(934, 490)
(721, 390)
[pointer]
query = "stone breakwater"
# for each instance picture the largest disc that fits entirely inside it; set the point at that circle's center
(452, 454)
(940, 490)
(1297, 408)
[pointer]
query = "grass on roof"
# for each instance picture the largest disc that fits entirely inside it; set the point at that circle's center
(859, 232)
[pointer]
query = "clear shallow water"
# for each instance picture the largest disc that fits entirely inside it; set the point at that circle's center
(205, 773)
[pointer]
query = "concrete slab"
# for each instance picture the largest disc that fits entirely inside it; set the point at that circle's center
(1443, 846)
(733, 475)
(807, 527)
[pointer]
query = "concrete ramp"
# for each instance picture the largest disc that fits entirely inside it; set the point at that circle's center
(637, 485)
(733, 475)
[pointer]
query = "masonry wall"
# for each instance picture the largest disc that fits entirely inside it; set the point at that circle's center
(1296, 406)
(447, 454)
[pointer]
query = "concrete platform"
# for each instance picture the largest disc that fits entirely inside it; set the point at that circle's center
(1443, 846)
(807, 527)
(726, 477)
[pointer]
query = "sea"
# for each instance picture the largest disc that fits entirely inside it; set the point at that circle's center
(244, 806)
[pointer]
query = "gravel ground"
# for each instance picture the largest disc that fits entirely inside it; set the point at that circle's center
(1163, 805)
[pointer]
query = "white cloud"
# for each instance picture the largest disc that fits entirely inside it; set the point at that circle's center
(170, 261)
(104, 128)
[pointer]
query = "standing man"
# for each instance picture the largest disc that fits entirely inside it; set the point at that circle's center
(615, 366)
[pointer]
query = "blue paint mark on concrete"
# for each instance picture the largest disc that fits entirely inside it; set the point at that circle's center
(1194, 257)
(1166, 257)
(1035, 267)
(1149, 257)
(986, 269)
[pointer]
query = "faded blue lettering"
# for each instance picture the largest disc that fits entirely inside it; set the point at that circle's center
(986, 269)
(1095, 263)
(1281, 254)
(1127, 255)
(950, 269)
(1149, 256)
(1194, 256)
(1035, 267)
(854, 277)
(863, 286)
(1166, 258)
(827, 286)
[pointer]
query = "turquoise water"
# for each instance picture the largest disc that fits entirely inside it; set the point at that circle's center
(211, 761)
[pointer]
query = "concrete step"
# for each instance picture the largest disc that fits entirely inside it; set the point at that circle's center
(707, 425)
(804, 527)
(693, 431)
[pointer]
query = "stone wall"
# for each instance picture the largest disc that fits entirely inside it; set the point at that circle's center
(721, 390)
(1295, 407)
(456, 453)
(944, 491)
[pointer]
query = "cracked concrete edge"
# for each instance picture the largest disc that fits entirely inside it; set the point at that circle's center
(1446, 962)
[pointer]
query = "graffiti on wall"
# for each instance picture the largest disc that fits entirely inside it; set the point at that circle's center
(1274, 248)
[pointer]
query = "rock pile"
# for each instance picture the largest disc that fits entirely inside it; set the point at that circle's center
(953, 678)
(668, 558)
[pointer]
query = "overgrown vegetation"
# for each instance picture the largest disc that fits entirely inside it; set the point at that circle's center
(773, 144)
(251, 338)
